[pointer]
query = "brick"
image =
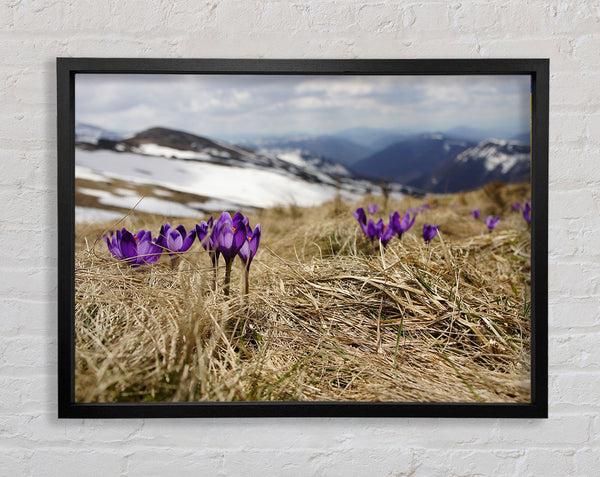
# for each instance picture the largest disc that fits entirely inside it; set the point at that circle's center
(577, 351)
(575, 388)
(43, 15)
(593, 128)
(518, 434)
(23, 355)
(71, 462)
(22, 395)
(585, 49)
(587, 461)
(15, 461)
(27, 317)
(567, 127)
(563, 92)
(547, 462)
(573, 204)
(189, 462)
(575, 313)
(457, 462)
(431, 16)
(380, 17)
(574, 279)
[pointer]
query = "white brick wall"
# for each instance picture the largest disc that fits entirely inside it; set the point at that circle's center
(33, 442)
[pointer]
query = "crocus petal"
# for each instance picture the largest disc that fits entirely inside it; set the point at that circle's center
(360, 216)
(174, 240)
(395, 221)
(371, 229)
(202, 232)
(429, 232)
(239, 238)
(148, 251)
(189, 240)
(142, 235)
(527, 212)
(224, 218)
(372, 209)
(128, 246)
(255, 240)
(225, 242)
(244, 253)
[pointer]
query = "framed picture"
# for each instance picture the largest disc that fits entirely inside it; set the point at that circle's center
(243, 238)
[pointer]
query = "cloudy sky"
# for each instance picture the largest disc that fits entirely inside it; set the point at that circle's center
(234, 107)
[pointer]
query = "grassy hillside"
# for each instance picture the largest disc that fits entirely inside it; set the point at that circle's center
(328, 317)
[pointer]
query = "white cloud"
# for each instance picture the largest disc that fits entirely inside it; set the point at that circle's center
(228, 105)
(336, 87)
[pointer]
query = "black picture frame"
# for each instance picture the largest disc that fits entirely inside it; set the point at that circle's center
(67, 68)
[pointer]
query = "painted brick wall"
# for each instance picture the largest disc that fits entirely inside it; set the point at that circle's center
(33, 33)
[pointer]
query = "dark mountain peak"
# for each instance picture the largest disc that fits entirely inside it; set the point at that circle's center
(172, 138)
(407, 161)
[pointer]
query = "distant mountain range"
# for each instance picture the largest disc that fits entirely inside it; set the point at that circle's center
(338, 149)
(175, 173)
(357, 158)
(409, 160)
(91, 134)
(490, 160)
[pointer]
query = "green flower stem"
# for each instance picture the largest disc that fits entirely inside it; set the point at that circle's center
(227, 278)
(246, 284)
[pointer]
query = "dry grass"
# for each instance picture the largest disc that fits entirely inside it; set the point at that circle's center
(327, 318)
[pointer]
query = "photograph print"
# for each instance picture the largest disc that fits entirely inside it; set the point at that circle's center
(302, 238)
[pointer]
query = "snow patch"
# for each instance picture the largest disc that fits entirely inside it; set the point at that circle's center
(169, 152)
(91, 215)
(252, 187)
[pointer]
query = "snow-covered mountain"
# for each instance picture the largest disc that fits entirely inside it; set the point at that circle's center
(490, 160)
(410, 160)
(181, 174)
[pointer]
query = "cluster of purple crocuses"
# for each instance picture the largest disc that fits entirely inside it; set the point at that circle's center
(397, 225)
(491, 222)
(228, 237)
(525, 210)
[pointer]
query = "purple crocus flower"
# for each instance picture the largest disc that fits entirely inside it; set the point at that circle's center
(402, 225)
(386, 232)
(204, 237)
(175, 240)
(516, 206)
(476, 213)
(135, 249)
(371, 230)
(372, 209)
(527, 212)
(491, 222)
(249, 249)
(231, 235)
(360, 216)
(429, 231)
